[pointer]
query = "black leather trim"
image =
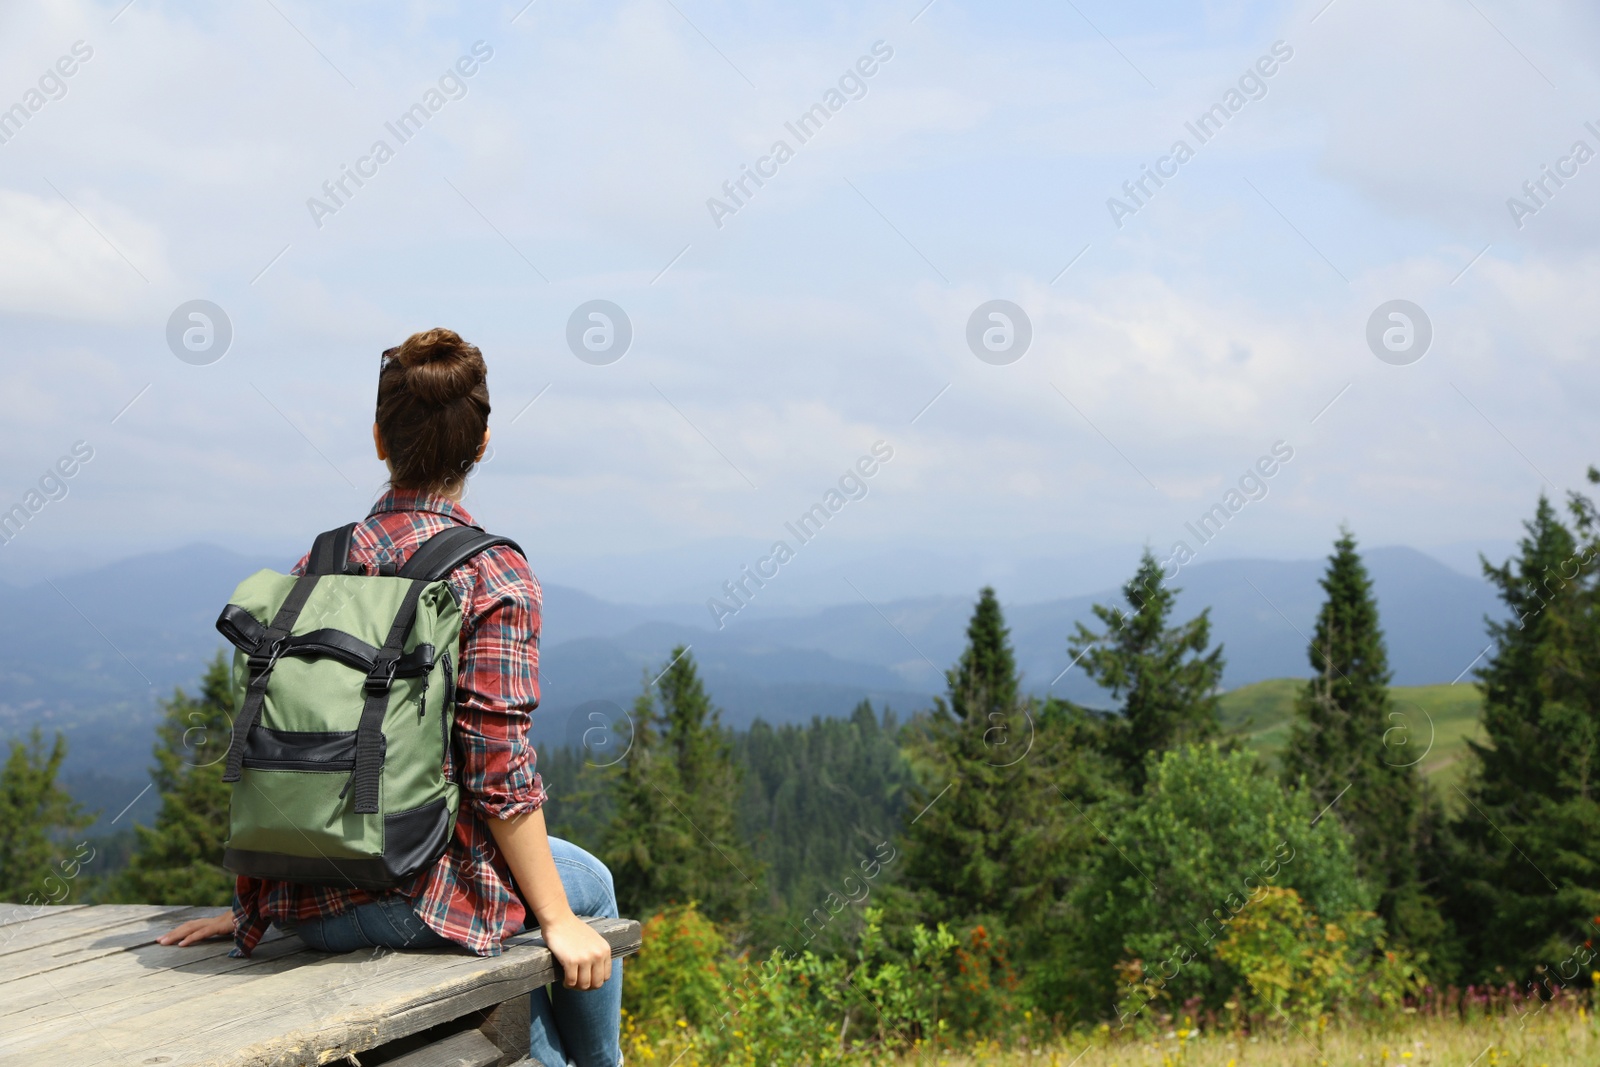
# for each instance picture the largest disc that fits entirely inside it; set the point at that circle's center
(351, 651)
(241, 628)
(246, 633)
(300, 750)
(413, 841)
(418, 661)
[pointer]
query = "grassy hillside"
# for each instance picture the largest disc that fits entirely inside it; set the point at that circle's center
(1445, 714)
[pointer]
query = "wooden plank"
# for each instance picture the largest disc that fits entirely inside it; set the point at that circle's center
(104, 983)
(97, 979)
(507, 1025)
(21, 913)
(59, 948)
(469, 1048)
(303, 1008)
(75, 922)
(68, 923)
(114, 990)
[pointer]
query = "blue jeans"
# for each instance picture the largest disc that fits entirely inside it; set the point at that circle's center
(569, 1026)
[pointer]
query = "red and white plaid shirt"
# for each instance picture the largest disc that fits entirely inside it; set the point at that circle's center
(468, 896)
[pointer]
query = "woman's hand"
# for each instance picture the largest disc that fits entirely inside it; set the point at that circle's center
(584, 955)
(197, 930)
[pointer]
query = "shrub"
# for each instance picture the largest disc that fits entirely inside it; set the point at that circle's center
(681, 971)
(1178, 865)
(684, 995)
(1294, 965)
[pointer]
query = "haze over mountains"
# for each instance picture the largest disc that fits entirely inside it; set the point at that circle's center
(90, 653)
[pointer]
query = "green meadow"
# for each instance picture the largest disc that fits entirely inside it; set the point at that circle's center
(1431, 724)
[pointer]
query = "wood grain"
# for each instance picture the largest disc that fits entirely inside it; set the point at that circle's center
(92, 985)
(466, 1049)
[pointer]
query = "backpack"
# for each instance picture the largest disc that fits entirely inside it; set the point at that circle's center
(344, 687)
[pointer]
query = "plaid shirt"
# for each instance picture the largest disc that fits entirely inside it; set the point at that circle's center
(468, 896)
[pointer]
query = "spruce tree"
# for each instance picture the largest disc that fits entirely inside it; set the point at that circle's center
(1164, 676)
(986, 827)
(1525, 863)
(1339, 751)
(35, 814)
(179, 859)
(673, 836)
(1541, 601)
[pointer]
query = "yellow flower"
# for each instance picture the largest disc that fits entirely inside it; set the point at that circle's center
(1405, 1055)
(683, 1024)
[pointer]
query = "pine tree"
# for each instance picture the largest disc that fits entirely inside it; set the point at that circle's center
(1525, 862)
(1338, 748)
(35, 813)
(987, 828)
(673, 836)
(179, 859)
(1164, 676)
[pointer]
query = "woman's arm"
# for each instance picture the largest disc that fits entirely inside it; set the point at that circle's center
(584, 955)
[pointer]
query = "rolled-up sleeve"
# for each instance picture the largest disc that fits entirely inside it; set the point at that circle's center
(498, 688)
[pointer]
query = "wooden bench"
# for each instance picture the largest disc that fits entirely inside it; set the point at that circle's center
(88, 984)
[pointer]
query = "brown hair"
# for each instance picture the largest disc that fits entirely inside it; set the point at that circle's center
(433, 408)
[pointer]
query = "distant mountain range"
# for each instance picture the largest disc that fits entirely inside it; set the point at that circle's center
(90, 653)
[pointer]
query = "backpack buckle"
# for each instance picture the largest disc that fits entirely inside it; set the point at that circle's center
(381, 678)
(261, 664)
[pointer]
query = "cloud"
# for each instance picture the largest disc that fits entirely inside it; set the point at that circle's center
(63, 264)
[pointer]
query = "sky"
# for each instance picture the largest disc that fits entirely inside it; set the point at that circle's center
(1180, 338)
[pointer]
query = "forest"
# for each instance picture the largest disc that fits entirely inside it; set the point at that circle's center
(1004, 876)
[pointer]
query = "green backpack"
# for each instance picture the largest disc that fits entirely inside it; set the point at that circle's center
(344, 686)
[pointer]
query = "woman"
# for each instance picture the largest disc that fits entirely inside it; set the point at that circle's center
(501, 870)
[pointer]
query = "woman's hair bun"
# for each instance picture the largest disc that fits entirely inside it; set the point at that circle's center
(433, 410)
(439, 367)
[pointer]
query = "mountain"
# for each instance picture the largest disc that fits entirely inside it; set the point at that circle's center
(1262, 611)
(90, 653)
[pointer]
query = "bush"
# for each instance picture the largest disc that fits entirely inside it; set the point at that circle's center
(685, 996)
(1178, 865)
(1293, 965)
(681, 971)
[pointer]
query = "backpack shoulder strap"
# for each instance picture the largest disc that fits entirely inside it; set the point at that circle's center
(449, 549)
(330, 552)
